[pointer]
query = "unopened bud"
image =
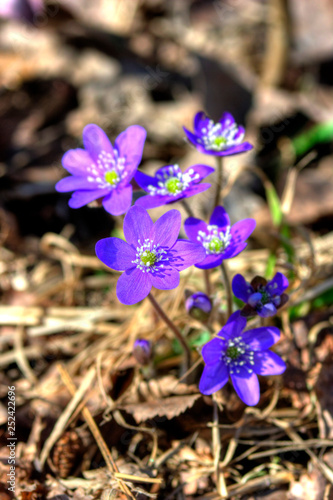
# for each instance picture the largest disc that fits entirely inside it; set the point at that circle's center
(199, 306)
(142, 351)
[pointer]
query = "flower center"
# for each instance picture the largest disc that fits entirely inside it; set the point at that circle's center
(215, 241)
(172, 181)
(173, 185)
(233, 352)
(237, 354)
(265, 297)
(112, 177)
(217, 138)
(220, 142)
(148, 258)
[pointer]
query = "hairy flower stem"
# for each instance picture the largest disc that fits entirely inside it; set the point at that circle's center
(226, 284)
(217, 448)
(207, 282)
(218, 194)
(175, 330)
(188, 209)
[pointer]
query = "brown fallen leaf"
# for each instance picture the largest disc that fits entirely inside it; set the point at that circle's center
(161, 408)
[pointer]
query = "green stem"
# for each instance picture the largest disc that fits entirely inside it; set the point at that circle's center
(218, 195)
(227, 287)
(172, 326)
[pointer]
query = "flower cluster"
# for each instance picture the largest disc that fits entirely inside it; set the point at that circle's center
(152, 256)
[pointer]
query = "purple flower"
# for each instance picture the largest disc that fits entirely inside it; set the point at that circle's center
(150, 256)
(103, 171)
(261, 297)
(219, 139)
(170, 184)
(198, 305)
(142, 351)
(220, 240)
(21, 9)
(240, 356)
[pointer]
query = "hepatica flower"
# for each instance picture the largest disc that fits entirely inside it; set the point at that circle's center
(261, 298)
(241, 356)
(219, 239)
(103, 171)
(223, 138)
(199, 306)
(170, 184)
(150, 257)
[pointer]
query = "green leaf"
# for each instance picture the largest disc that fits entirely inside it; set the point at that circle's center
(274, 204)
(270, 267)
(321, 133)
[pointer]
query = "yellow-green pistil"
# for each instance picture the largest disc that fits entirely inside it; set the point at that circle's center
(148, 259)
(112, 177)
(219, 142)
(216, 245)
(173, 185)
(233, 352)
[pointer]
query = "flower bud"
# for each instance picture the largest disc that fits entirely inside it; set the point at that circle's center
(142, 351)
(199, 306)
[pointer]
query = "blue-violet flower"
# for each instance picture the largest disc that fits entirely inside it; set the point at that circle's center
(103, 171)
(261, 298)
(170, 184)
(218, 139)
(199, 306)
(219, 239)
(240, 356)
(25, 10)
(150, 257)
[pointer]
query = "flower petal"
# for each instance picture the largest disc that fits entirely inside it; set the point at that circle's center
(77, 161)
(213, 378)
(219, 218)
(211, 352)
(278, 284)
(191, 137)
(241, 288)
(118, 201)
(95, 141)
(130, 146)
(267, 310)
(186, 253)
(227, 120)
(167, 279)
(268, 363)
(200, 120)
(153, 201)
(195, 189)
(166, 229)
(132, 286)
(83, 197)
(144, 180)
(210, 261)
(233, 327)
(246, 385)
(115, 253)
(260, 339)
(72, 183)
(192, 226)
(239, 233)
(137, 225)
(201, 170)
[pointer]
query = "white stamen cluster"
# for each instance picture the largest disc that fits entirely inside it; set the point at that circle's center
(215, 241)
(148, 255)
(216, 139)
(106, 164)
(242, 355)
(172, 181)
